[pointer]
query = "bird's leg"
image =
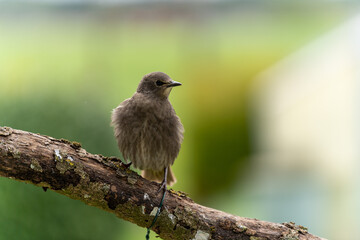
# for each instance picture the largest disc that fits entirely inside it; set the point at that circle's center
(164, 181)
(162, 186)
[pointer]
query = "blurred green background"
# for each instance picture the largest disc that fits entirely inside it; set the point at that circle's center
(65, 65)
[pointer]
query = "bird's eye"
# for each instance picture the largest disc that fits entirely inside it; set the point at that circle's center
(159, 83)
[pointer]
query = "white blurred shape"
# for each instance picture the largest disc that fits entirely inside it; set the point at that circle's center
(308, 116)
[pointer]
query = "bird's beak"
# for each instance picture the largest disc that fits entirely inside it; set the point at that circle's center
(173, 84)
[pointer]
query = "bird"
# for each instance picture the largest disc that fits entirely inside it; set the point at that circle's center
(148, 131)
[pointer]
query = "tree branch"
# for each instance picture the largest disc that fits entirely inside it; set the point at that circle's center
(103, 182)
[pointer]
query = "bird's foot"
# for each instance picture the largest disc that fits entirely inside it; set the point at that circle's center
(164, 181)
(162, 186)
(126, 165)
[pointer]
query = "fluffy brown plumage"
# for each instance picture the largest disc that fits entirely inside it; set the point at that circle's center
(147, 129)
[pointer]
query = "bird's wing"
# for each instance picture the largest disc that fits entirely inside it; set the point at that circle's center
(116, 112)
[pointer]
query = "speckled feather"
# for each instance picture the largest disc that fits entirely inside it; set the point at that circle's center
(148, 131)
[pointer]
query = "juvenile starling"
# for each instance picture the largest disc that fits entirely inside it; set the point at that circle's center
(147, 129)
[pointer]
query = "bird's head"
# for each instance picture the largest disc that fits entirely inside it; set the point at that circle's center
(157, 83)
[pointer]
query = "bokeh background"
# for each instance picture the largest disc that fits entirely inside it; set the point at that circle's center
(269, 104)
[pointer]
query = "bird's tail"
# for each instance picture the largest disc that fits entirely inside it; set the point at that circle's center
(158, 176)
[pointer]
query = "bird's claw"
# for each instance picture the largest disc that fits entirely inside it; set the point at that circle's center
(126, 165)
(162, 186)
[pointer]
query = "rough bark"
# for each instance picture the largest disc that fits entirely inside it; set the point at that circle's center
(103, 182)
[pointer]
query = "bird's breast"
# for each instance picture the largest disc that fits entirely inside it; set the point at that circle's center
(150, 134)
